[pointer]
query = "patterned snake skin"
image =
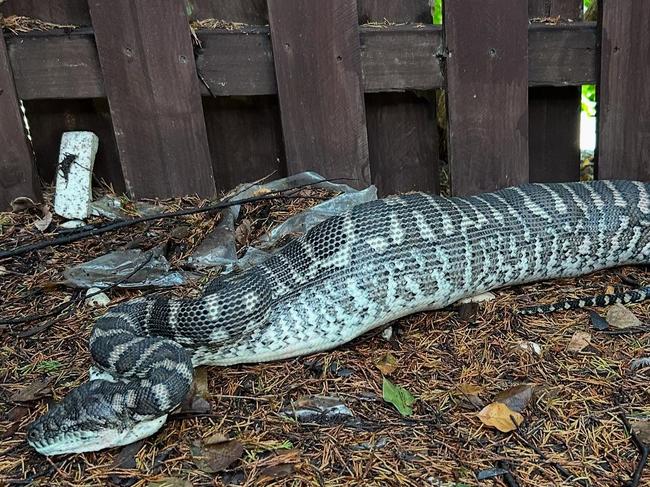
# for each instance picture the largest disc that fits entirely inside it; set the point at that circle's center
(376, 263)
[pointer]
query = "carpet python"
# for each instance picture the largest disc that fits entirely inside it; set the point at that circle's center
(377, 262)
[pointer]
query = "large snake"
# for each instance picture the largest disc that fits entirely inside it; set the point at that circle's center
(378, 262)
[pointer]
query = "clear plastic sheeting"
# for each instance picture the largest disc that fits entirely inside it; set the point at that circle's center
(114, 267)
(219, 246)
(111, 207)
(216, 249)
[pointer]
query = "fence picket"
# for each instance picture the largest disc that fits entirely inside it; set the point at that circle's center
(153, 91)
(554, 112)
(318, 70)
(487, 93)
(17, 172)
(402, 127)
(624, 104)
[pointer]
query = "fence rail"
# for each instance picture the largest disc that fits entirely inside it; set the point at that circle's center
(344, 87)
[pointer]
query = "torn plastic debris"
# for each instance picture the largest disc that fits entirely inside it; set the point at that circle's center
(110, 268)
(318, 409)
(111, 207)
(217, 248)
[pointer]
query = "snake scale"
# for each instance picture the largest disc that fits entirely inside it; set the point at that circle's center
(371, 265)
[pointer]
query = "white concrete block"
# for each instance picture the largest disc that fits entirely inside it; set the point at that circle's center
(74, 174)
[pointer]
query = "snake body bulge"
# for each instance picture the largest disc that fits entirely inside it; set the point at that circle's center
(378, 262)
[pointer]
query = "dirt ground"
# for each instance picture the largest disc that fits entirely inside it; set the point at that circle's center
(234, 432)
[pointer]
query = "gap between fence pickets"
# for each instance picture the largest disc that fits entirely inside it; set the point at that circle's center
(65, 65)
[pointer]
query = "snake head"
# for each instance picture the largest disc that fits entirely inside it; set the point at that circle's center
(92, 417)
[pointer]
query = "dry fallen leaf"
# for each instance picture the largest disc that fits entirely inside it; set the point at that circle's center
(386, 363)
(516, 398)
(642, 430)
(216, 457)
(170, 482)
(471, 393)
(33, 391)
(610, 290)
(579, 341)
(42, 223)
(500, 416)
(620, 317)
(22, 203)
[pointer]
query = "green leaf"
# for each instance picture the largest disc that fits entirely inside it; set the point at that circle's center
(398, 397)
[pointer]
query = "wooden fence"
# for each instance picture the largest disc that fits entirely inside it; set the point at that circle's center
(343, 87)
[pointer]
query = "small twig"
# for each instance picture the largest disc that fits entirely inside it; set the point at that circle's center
(643, 448)
(563, 471)
(67, 304)
(119, 224)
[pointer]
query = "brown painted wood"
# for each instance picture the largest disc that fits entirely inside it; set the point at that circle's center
(554, 127)
(554, 113)
(402, 127)
(67, 12)
(252, 12)
(245, 137)
(153, 92)
(48, 119)
(401, 58)
(624, 104)
(17, 174)
(564, 9)
(58, 65)
(394, 11)
(403, 143)
(318, 70)
(237, 62)
(562, 54)
(487, 94)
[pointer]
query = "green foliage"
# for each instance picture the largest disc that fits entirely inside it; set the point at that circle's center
(436, 11)
(588, 102)
(398, 397)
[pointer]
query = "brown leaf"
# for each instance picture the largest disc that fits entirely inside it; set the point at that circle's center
(126, 456)
(243, 231)
(471, 393)
(500, 416)
(610, 290)
(170, 482)
(22, 203)
(277, 471)
(217, 457)
(201, 382)
(215, 439)
(34, 391)
(468, 311)
(42, 223)
(516, 398)
(642, 430)
(579, 341)
(386, 363)
(620, 317)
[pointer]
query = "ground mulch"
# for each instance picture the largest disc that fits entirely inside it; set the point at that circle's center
(572, 425)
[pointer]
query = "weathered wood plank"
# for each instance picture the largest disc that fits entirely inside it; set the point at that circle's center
(400, 11)
(554, 126)
(400, 58)
(153, 91)
(562, 54)
(252, 12)
(402, 127)
(318, 69)
(487, 94)
(624, 104)
(245, 139)
(48, 119)
(403, 143)
(237, 62)
(57, 65)
(17, 174)
(74, 12)
(566, 10)
(554, 113)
